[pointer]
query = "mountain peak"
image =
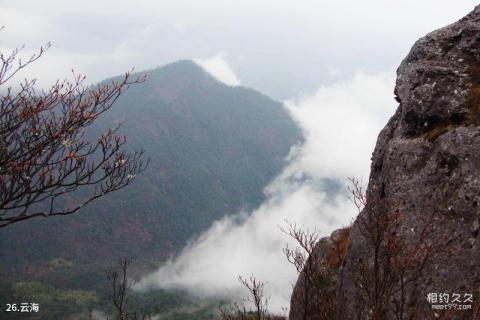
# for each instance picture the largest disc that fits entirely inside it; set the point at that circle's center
(184, 65)
(181, 71)
(212, 148)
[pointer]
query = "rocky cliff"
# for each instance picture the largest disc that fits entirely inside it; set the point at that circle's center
(415, 250)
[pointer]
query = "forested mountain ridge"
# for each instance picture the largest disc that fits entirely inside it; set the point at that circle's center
(416, 236)
(212, 149)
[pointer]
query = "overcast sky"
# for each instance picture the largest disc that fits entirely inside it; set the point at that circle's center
(284, 48)
(333, 62)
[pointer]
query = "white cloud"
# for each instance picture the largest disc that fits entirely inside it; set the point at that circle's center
(341, 123)
(22, 27)
(220, 69)
(289, 46)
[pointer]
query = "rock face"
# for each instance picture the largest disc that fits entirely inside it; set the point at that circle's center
(425, 183)
(314, 293)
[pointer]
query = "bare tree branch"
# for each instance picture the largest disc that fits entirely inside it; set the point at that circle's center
(46, 161)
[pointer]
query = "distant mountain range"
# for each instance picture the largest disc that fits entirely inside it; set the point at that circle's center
(212, 149)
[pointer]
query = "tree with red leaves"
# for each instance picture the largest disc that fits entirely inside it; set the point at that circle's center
(48, 167)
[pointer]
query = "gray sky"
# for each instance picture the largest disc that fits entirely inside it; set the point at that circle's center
(285, 48)
(333, 60)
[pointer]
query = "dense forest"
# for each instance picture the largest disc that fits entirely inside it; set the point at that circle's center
(212, 149)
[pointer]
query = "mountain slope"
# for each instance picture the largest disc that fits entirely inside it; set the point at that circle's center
(213, 148)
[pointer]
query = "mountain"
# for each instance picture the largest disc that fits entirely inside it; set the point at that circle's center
(414, 248)
(212, 149)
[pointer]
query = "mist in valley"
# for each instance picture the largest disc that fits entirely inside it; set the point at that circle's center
(331, 63)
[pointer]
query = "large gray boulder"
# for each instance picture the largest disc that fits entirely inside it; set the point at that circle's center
(426, 166)
(425, 181)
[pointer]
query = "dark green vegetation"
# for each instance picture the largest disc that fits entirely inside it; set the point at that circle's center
(212, 149)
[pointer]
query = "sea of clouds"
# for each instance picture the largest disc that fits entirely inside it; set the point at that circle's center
(340, 122)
